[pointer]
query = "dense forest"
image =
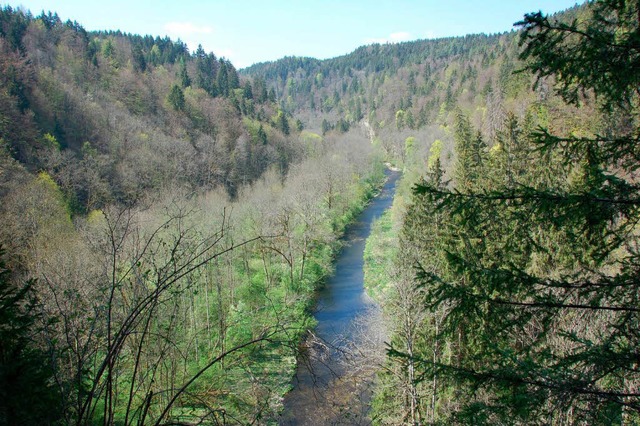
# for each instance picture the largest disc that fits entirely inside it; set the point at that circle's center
(167, 220)
(509, 275)
(164, 227)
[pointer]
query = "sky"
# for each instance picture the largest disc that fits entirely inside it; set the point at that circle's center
(251, 31)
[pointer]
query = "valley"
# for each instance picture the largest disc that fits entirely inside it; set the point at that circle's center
(436, 231)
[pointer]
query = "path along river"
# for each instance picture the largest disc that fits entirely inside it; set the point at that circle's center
(336, 367)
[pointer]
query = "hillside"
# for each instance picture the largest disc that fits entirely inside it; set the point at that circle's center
(404, 89)
(163, 221)
(508, 266)
(111, 116)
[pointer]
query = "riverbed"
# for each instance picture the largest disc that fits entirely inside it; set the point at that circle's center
(338, 361)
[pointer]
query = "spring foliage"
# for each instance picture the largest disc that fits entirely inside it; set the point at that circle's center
(528, 265)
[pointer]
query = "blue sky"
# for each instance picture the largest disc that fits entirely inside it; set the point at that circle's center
(250, 31)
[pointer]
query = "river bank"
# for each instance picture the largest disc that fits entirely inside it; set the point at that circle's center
(338, 360)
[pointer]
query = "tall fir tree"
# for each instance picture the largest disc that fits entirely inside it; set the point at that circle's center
(540, 272)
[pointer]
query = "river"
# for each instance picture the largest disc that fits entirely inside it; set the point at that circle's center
(337, 364)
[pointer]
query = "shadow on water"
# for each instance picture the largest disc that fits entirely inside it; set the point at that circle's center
(339, 359)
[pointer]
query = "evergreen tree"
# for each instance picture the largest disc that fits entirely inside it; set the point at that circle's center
(342, 125)
(139, 63)
(176, 98)
(26, 392)
(326, 126)
(540, 277)
(222, 79)
(185, 81)
(409, 120)
(260, 89)
(262, 135)
(281, 122)
(470, 153)
(234, 79)
(206, 71)
(248, 92)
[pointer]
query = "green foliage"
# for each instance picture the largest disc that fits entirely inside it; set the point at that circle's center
(51, 142)
(27, 394)
(108, 50)
(326, 126)
(175, 98)
(143, 309)
(247, 90)
(139, 62)
(131, 78)
(281, 122)
(524, 310)
(342, 125)
(409, 146)
(400, 119)
(470, 151)
(532, 269)
(434, 153)
(185, 80)
(606, 41)
(379, 254)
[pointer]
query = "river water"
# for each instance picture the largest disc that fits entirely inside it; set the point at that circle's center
(338, 361)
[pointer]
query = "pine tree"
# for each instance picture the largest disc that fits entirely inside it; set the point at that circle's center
(248, 92)
(470, 153)
(540, 272)
(139, 63)
(206, 71)
(326, 126)
(176, 98)
(222, 79)
(282, 123)
(262, 135)
(26, 392)
(185, 81)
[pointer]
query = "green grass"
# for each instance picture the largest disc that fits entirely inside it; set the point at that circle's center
(379, 252)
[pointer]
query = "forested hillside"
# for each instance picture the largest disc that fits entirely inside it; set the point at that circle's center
(509, 272)
(407, 89)
(165, 226)
(168, 218)
(113, 115)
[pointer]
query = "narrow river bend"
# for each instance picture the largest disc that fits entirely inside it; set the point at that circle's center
(337, 366)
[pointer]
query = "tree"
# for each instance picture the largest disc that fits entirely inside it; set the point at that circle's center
(470, 153)
(400, 119)
(281, 122)
(139, 63)
(603, 52)
(247, 91)
(544, 266)
(260, 89)
(135, 377)
(176, 98)
(185, 81)
(222, 78)
(26, 392)
(326, 126)
(206, 71)
(262, 135)
(234, 79)
(409, 120)
(342, 125)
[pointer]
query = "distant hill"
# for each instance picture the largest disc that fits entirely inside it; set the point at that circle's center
(405, 86)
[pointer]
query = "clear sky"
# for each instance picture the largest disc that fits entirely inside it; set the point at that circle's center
(250, 31)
